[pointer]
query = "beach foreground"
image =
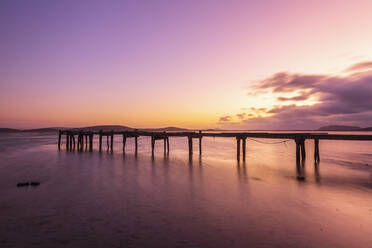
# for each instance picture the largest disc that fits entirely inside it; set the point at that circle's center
(92, 199)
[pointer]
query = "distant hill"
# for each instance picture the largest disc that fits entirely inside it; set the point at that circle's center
(8, 130)
(41, 130)
(366, 129)
(344, 128)
(117, 128)
(169, 129)
(38, 130)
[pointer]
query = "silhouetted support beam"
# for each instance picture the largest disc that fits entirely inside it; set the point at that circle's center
(243, 139)
(190, 145)
(200, 142)
(298, 155)
(300, 148)
(316, 150)
(238, 148)
(86, 141)
(168, 145)
(72, 141)
(59, 139)
(165, 139)
(165, 146)
(112, 140)
(90, 142)
(124, 141)
(303, 151)
(67, 141)
(81, 137)
(136, 145)
(152, 145)
(100, 140)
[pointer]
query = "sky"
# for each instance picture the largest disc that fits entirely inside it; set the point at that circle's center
(195, 64)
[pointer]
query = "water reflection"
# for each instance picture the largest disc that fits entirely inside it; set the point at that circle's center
(317, 172)
(242, 172)
(175, 201)
(195, 173)
(300, 169)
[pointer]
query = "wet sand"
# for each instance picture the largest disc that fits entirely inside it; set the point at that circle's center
(93, 199)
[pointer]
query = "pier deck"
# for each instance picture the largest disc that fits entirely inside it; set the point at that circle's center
(86, 137)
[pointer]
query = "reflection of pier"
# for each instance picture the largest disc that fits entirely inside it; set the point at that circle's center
(86, 137)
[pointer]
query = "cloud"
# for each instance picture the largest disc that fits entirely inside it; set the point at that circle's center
(241, 115)
(341, 100)
(225, 118)
(285, 82)
(367, 65)
(301, 97)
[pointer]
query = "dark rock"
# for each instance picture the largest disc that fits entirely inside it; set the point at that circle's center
(34, 184)
(24, 184)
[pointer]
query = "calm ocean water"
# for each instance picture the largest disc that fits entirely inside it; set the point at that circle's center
(92, 199)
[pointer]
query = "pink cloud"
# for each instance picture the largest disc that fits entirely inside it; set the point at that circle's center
(342, 101)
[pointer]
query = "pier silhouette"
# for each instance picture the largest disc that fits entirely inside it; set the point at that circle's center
(86, 138)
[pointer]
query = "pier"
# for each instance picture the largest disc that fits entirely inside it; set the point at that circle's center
(85, 139)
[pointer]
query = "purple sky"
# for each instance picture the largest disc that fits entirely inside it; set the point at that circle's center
(183, 63)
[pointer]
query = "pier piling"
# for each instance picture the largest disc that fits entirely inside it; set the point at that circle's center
(240, 140)
(299, 138)
(238, 148)
(112, 140)
(152, 145)
(200, 142)
(108, 142)
(72, 142)
(136, 145)
(91, 142)
(300, 148)
(100, 140)
(67, 141)
(190, 145)
(124, 141)
(59, 139)
(163, 136)
(303, 151)
(165, 145)
(316, 151)
(243, 139)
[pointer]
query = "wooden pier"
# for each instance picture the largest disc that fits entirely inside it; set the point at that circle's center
(85, 140)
